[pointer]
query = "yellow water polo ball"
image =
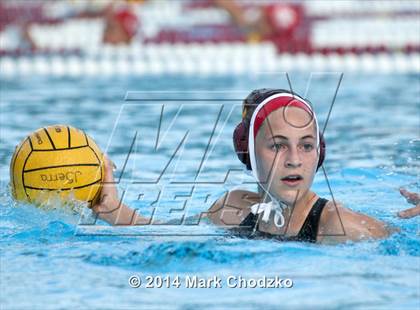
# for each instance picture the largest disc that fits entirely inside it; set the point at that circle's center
(57, 161)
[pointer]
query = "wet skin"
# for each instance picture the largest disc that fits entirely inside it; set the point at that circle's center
(285, 146)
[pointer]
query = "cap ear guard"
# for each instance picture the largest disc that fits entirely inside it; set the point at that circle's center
(240, 142)
(322, 151)
(240, 134)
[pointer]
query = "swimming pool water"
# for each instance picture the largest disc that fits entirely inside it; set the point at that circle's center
(49, 261)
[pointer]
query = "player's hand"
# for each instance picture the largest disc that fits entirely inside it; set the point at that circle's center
(109, 202)
(110, 207)
(412, 198)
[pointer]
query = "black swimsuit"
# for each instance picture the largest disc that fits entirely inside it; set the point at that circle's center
(307, 233)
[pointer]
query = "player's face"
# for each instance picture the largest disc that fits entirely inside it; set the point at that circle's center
(286, 153)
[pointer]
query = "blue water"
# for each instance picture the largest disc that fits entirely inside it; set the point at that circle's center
(51, 259)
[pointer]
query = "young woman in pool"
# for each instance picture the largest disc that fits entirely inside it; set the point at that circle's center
(279, 140)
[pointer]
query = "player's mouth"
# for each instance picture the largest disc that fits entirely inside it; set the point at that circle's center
(292, 179)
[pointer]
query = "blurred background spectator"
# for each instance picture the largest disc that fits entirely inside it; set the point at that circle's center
(121, 24)
(319, 30)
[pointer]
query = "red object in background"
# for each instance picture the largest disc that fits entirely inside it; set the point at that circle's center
(20, 13)
(290, 27)
(284, 18)
(128, 20)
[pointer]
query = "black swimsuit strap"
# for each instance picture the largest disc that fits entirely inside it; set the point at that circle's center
(250, 221)
(307, 233)
(309, 230)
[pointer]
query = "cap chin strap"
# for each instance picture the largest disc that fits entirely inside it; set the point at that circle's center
(274, 205)
(266, 208)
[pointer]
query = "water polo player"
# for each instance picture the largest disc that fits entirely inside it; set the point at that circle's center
(279, 141)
